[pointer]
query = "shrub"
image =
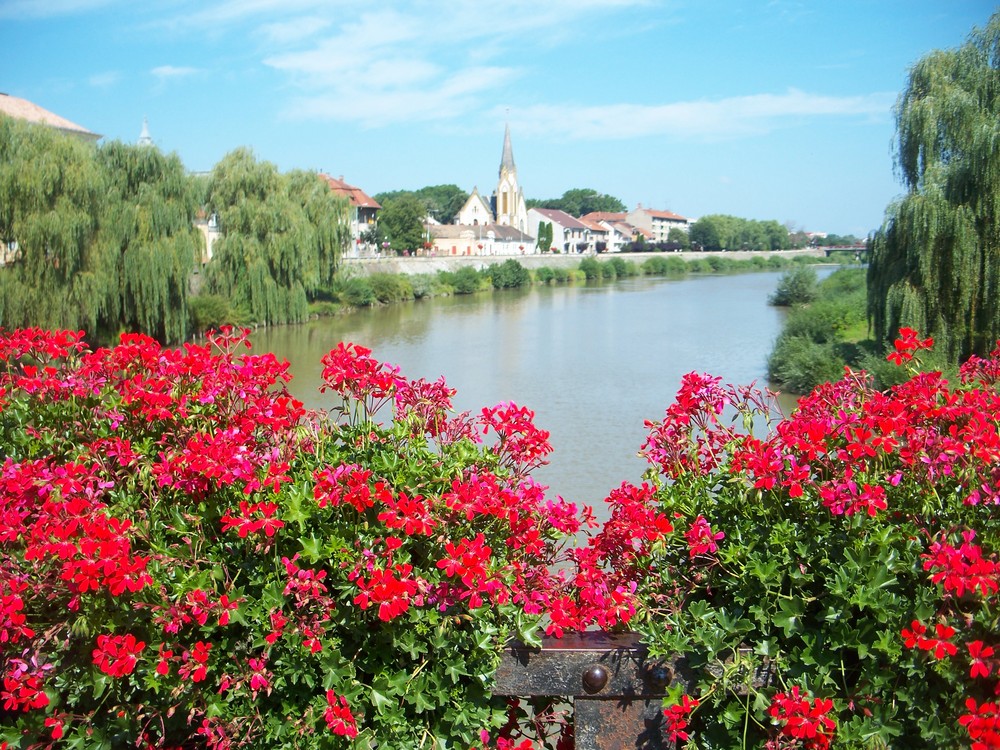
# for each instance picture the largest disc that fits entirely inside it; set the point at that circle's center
(544, 275)
(423, 285)
(655, 266)
(699, 265)
(390, 287)
(718, 264)
(799, 363)
(324, 308)
(192, 560)
(849, 554)
(623, 268)
(795, 287)
(509, 275)
(591, 269)
(467, 280)
(212, 311)
(356, 291)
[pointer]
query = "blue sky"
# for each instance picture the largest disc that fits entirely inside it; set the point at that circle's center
(763, 109)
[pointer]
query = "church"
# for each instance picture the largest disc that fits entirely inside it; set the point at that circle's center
(494, 227)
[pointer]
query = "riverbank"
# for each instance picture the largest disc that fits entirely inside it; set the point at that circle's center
(414, 266)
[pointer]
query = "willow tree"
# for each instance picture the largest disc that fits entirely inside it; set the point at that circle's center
(281, 237)
(50, 188)
(146, 245)
(100, 238)
(935, 262)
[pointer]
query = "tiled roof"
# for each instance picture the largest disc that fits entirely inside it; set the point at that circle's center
(358, 197)
(561, 218)
(593, 226)
(22, 109)
(604, 216)
(479, 231)
(624, 228)
(669, 216)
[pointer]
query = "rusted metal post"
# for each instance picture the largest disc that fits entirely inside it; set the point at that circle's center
(617, 691)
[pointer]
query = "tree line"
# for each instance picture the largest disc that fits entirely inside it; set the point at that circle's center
(103, 238)
(934, 264)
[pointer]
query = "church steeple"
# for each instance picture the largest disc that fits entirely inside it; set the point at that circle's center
(508, 200)
(507, 160)
(145, 139)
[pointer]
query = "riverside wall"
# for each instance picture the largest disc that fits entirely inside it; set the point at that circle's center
(432, 264)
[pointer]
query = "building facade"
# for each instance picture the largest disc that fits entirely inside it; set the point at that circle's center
(363, 213)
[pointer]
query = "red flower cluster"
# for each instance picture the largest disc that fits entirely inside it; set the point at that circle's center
(677, 717)
(941, 645)
(117, 655)
(963, 568)
(338, 716)
(803, 718)
(907, 343)
(700, 539)
(982, 722)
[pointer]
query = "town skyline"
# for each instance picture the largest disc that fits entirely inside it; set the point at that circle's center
(764, 110)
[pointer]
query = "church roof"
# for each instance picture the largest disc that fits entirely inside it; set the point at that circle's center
(22, 109)
(507, 159)
(358, 197)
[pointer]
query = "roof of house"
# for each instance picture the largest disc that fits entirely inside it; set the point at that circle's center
(358, 197)
(561, 218)
(502, 232)
(593, 226)
(624, 228)
(604, 216)
(666, 215)
(22, 109)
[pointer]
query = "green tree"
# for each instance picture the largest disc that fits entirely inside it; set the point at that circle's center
(104, 237)
(50, 187)
(935, 262)
(580, 201)
(678, 235)
(280, 240)
(402, 221)
(147, 244)
(545, 234)
(443, 201)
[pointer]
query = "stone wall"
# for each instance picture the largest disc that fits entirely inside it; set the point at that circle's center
(422, 265)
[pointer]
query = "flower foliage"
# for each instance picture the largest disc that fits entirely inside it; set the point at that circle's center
(831, 578)
(188, 558)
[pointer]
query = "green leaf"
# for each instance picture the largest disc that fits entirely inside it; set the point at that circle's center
(789, 616)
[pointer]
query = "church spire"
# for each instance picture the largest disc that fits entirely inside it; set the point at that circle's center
(145, 139)
(507, 160)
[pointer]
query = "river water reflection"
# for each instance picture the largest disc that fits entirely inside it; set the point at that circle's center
(592, 361)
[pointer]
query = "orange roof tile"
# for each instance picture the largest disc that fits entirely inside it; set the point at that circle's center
(665, 215)
(22, 109)
(358, 197)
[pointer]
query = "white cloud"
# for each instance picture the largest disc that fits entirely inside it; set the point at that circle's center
(22, 9)
(448, 98)
(169, 72)
(105, 80)
(294, 30)
(702, 120)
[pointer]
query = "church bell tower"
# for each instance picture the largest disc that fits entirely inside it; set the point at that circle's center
(509, 207)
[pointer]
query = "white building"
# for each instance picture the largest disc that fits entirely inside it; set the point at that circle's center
(569, 235)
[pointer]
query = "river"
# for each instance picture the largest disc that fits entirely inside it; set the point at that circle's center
(592, 361)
